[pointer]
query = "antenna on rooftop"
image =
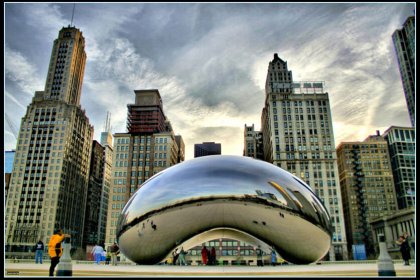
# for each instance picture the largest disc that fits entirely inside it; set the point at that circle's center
(72, 15)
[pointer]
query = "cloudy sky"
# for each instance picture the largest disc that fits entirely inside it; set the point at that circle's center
(209, 62)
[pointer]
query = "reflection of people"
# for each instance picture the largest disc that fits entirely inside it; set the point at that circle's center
(182, 254)
(108, 257)
(97, 253)
(55, 249)
(204, 255)
(404, 248)
(259, 256)
(273, 257)
(38, 251)
(115, 250)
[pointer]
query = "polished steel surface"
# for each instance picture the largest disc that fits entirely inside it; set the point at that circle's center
(235, 194)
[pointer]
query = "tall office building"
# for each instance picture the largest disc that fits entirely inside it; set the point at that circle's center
(147, 148)
(298, 137)
(253, 143)
(93, 200)
(50, 175)
(405, 48)
(207, 149)
(402, 150)
(367, 188)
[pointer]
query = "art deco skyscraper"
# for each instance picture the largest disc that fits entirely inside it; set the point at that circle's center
(404, 43)
(50, 175)
(298, 137)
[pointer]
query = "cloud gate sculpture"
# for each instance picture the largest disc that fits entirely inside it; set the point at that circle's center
(234, 193)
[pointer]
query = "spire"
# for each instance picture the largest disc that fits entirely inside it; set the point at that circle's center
(72, 15)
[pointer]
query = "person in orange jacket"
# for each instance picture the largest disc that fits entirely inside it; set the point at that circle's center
(55, 249)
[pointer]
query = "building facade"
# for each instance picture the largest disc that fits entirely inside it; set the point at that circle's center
(298, 137)
(405, 48)
(402, 150)
(146, 149)
(367, 188)
(207, 149)
(50, 175)
(392, 227)
(253, 143)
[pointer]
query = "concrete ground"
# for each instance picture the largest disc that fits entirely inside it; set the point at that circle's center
(124, 270)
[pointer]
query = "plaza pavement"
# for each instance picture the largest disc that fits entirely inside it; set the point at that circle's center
(123, 270)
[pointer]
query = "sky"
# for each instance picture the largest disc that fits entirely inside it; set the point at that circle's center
(209, 62)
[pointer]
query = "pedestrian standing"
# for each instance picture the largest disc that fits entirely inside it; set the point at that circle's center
(404, 248)
(273, 257)
(108, 257)
(39, 249)
(115, 250)
(204, 255)
(55, 250)
(213, 256)
(182, 254)
(175, 256)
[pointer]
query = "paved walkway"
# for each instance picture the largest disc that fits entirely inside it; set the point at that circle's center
(362, 269)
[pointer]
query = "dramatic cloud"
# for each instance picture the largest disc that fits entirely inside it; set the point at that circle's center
(209, 62)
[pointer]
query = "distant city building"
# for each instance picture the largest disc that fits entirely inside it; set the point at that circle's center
(93, 201)
(253, 143)
(50, 175)
(367, 188)
(298, 136)
(402, 151)
(405, 47)
(207, 149)
(148, 147)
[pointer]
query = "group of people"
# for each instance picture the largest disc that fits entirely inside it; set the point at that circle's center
(208, 256)
(100, 254)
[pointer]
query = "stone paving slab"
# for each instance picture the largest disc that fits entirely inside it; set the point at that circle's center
(312, 270)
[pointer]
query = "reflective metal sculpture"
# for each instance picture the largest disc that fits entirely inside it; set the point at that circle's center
(244, 195)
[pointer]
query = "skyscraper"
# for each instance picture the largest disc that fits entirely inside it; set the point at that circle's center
(367, 188)
(50, 176)
(147, 148)
(404, 43)
(207, 149)
(298, 137)
(402, 151)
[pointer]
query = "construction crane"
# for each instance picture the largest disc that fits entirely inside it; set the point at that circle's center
(12, 126)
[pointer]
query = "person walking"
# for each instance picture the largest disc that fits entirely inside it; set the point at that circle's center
(97, 253)
(55, 250)
(175, 256)
(204, 255)
(181, 258)
(273, 257)
(115, 250)
(404, 248)
(108, 257)
(39, 249)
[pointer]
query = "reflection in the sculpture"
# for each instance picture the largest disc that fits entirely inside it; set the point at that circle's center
(231, 192)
